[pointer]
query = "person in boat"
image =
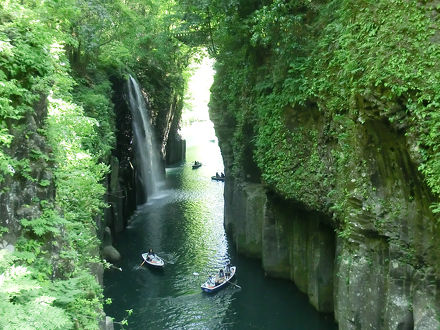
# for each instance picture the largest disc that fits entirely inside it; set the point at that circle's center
(228, 270)
(220, 277)
(150, 255)
(217, 175)
(195, 162)
(222, 175)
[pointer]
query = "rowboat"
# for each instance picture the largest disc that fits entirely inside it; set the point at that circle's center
(153, 259)
(215, 282)
(196, 165)
(218, 178)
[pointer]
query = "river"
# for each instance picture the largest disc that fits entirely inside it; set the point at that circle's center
(184, 225)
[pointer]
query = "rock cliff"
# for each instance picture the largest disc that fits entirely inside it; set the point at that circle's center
(327, 179)
(21, 192)
(380, 273)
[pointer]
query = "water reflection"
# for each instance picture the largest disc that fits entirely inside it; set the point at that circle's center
(185, 227)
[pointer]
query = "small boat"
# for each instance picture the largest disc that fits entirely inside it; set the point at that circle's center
(218, 178)
(153, 260)
(196, 165)
(214, 283)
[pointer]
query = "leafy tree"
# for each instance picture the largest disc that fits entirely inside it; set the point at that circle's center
(63, 54)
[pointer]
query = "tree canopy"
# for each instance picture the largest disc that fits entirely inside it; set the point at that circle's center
(57, 61)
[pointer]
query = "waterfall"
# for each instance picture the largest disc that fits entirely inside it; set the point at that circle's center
(148, 162)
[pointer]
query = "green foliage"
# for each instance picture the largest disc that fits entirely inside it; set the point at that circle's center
(49, 222)
(51, 264)
(3, 230)
(350, 61)
(29, 301)
(79, 176)
(25, 70)
(61, 54)
(23, 303)
(95, 99)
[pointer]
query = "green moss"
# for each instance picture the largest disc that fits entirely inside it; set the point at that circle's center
(349, 62)
(57, 129)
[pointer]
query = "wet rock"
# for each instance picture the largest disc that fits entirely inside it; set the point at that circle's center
(244, 216)
(110, 254)
(109, 323)
(107, 239)
(292, 243)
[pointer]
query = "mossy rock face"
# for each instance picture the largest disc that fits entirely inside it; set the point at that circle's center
(348, 156)
(340, 112)
(244, 216)
(31, 181)
(360, 173)
(292, 242)
(386, 228)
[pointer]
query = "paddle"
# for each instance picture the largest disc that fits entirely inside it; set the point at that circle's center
(228, 280)
(234, 284)
(142, 262)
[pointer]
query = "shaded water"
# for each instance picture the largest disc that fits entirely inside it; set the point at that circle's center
(185, 226)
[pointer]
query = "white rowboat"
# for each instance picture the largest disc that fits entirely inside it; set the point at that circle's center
(153, 259)
(214, 283)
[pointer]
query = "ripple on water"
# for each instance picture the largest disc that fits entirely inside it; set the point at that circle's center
(185, 228)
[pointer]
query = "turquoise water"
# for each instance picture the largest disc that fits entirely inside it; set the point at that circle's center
(184, 225)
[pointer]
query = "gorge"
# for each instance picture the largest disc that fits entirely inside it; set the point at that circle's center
(326, 114)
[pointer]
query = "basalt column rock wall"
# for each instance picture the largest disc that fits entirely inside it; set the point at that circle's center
(292, 243)
(383, 271)
(20, 195)
(387, 265)
(361, 240)
(121, 181)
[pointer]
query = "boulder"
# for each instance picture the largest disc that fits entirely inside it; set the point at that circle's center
(110, 254)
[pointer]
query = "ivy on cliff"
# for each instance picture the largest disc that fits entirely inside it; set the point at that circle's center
(50, 267)
(58, 57)
(352, 61)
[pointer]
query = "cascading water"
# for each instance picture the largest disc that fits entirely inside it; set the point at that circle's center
(148, 163)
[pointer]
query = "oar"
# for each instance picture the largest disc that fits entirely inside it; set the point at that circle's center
(142, 263)
(234, 284)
